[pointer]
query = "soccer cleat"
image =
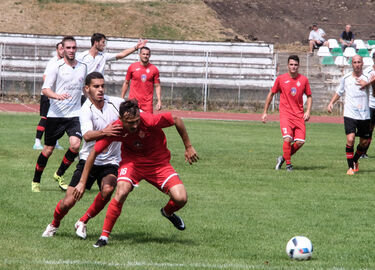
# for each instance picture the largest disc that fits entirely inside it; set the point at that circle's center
(59, 147)
(356, 167)
(60, 180)
(38, 147)
(50, 231)
(289, 167)
(176, 220)
(280, 161)
(35, 187)
(350, 171)
(80, 229)
(100, 243)
(364, 156)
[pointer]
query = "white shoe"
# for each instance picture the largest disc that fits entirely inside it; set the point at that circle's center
(50, 231)
(59, 147)
(80, 229)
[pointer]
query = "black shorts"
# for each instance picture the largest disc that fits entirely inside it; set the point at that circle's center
(44, 105)
(372, 116)
(56, 127)
(97, 173)
(361, 128)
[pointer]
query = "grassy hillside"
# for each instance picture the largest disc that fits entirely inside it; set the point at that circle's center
(169, 19)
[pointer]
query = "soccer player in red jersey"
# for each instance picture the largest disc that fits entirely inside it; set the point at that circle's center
(291, 86)
(144, 155)
(143, 76)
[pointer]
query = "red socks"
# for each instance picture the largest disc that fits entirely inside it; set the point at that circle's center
(171, 207)
(287, 151)
(113, 212)
(58, 215)
(94, 208)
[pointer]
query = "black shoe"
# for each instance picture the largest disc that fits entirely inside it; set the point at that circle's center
(280, 161)
(100, 243)
(289, 167)
(176, 220)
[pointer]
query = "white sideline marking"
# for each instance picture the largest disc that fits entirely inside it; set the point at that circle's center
(141, 264)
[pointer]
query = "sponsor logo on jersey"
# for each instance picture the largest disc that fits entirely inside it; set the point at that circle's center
(293, 91)
(143, 77)
(287, 81)
(137, 69)
(298, 84)
(148, 70)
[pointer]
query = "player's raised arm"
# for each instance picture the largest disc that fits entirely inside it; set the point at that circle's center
(141, 43)
(190, 153)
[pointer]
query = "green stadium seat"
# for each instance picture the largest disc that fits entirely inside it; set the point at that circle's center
(336, 52)
(328, 61)
(363, 52)
(371, 42)
(350, 60)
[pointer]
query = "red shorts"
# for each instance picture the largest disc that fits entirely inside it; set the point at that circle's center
(293, 128)
(162, 177)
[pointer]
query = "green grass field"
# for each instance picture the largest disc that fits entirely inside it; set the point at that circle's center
(240, 213)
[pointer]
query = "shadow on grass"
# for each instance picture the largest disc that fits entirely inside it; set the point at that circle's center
(141, 237)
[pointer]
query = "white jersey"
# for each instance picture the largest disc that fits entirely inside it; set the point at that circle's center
(370, 72)
(356, 99)
(317, 35)
(93, 119)
(62, 78)
(49, 64)
(97, 63)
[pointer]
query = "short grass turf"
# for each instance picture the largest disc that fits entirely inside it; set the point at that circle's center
(240, 213)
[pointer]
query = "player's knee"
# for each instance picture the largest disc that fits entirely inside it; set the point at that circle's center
(107, 191)
(300, 143)
(179, 195)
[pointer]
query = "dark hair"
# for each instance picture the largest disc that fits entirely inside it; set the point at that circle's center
(130, 107)
(57, 45)
(293, 57)
(145, 48)
(91, 76)
(67, 38)
(97, 37)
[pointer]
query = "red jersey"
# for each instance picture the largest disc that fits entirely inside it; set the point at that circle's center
(142, 83)
(291, 94)
(147, 146)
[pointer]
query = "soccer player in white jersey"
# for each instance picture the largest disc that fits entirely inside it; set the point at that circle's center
(356, 112)
(44, 103)
(370, 73)
(96, 58)
(63, 86)
(96, 117)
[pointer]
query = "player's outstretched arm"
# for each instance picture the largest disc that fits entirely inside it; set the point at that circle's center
(190, 153)
(141, 43)
(79, 189)
(110, 130)
(266, 105)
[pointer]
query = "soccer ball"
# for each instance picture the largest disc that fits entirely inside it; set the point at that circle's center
(299, 248)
